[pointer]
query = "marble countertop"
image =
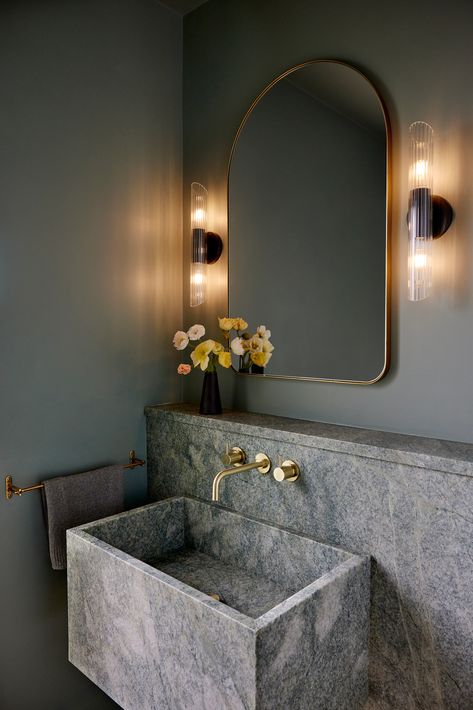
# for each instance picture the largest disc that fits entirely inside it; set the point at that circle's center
(435, 454)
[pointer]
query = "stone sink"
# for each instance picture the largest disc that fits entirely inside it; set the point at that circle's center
(286, 627)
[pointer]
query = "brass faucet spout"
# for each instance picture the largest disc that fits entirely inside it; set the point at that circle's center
(261, 462)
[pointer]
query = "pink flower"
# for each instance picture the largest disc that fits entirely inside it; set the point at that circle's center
(183, 369)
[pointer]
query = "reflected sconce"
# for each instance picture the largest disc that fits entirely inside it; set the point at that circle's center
(429, 216)
(206, 246)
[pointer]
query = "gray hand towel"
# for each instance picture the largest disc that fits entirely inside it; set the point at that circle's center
(76, 499)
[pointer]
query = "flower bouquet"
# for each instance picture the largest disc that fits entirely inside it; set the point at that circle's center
(253, 350)
(206, 355)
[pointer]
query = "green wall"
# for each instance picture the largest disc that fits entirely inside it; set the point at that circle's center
(419, 54)
(90, 286)
(90, 247)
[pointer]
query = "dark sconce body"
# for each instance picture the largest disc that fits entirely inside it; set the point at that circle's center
(436, 219)
(214, 247)
(442, 216)
(207, 247)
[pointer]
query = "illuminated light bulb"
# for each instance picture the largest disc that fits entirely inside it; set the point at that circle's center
(197, 278)
(198, 282)
(421, 170)
(420, 260)
(199, 215)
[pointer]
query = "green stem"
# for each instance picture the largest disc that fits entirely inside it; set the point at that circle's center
(212, 366)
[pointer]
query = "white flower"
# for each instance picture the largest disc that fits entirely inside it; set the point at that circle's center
(237, 347)
(180, 340)
(263, 332)
(267, 346)
(196, 332)
(256, 344)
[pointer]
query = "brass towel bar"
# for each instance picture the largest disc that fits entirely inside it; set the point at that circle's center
(11, 490)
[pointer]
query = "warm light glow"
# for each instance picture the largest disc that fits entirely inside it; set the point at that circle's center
(197, 284)
(420, 274)
(197, 279)
(420, 260)
(199, 215)
(421, 170)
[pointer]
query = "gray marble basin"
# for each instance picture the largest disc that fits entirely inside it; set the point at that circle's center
(289, 628)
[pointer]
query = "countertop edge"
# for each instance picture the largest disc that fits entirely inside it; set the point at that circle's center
(447, 457)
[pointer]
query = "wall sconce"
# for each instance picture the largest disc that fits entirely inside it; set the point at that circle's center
(429, 216)
(206, 246)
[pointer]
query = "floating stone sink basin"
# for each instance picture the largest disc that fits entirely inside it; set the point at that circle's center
(287, 629)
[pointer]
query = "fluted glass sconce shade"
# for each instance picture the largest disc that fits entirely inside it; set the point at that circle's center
(429, 216)
(198, 231)
(206, 246)
(420, 210)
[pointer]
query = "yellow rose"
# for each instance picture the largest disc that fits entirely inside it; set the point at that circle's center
(224, 358)
(225, 323)
(260, 358)
(218, 347)
(239, 324)
(200, 356)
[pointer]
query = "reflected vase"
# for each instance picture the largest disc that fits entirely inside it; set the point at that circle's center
(244, 367)
(210, 400)
(257, 370)
(250, 368)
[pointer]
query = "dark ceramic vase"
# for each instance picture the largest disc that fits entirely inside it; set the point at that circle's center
(210, 400)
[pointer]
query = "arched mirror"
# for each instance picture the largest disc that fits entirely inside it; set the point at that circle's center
(308, 202)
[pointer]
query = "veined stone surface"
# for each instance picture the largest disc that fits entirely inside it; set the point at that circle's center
(405, 501)
(151, 641)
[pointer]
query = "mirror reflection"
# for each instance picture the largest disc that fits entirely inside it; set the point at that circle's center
(307, 224)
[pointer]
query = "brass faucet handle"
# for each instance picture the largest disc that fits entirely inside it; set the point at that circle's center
(287, 471)
(234, 457)
(265, 462)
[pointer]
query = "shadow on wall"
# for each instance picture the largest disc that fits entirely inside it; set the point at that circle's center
(453, 251)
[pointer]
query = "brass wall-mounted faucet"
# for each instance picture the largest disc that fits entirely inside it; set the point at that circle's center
(236, 458)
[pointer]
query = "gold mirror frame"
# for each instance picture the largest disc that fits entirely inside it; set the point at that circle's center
(387, 277)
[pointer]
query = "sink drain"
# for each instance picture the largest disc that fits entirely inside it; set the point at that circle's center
(216, 596)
